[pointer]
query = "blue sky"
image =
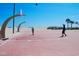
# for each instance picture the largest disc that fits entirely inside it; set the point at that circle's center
(42, 15)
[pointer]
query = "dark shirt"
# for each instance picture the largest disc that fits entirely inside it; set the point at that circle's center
(63, 31)
(32, 30)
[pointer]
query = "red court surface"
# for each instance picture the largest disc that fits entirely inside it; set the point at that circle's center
(44, 43)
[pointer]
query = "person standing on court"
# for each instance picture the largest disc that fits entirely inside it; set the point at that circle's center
(33, 31)
(63, 31)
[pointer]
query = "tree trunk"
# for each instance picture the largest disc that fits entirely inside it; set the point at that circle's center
(67, 25)
(71, 25)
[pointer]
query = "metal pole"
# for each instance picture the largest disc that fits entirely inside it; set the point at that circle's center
(14, 17)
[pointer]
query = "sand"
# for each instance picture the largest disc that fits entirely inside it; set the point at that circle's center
(43, 43)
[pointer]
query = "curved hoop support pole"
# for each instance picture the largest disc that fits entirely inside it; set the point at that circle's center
(18, 29)
(5, 24)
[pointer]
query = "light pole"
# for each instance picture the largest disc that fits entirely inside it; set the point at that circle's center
(14, 17)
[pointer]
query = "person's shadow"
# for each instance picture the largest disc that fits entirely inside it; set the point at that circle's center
(61, 36)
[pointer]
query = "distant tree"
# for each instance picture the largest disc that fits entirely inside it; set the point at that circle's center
(72, 22)
(68, 21)
(76, 23)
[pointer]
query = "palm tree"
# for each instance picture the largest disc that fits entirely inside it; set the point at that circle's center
(72, 22)
(68, 21)
(76, 23)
